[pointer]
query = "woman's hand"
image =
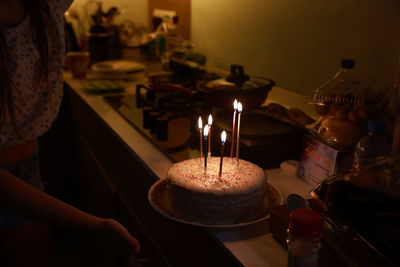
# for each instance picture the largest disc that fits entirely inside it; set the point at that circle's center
(119, 235)
(125, 244)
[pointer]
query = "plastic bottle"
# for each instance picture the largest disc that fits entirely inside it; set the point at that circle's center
(160, 33)
(173, 38)
(304, 238)
(372, 148)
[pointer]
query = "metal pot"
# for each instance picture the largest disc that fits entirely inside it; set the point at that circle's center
(250, 91)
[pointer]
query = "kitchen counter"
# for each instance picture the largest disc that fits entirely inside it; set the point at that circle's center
(251, 245)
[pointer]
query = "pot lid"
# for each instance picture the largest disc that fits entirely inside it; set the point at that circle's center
(238, 80)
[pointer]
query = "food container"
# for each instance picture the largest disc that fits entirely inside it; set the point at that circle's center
(250, 91)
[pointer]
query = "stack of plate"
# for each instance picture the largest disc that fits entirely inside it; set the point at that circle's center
(116, 68)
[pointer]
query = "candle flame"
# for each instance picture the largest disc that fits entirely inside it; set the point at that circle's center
(206, 129)
(210, 120)
(239, 107)
(223, 137)
(235, 104)
(200, 123)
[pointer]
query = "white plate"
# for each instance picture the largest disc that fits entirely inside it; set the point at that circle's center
(158, 199)
(117, 67)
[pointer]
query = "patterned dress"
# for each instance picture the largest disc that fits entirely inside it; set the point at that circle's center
(35, 106)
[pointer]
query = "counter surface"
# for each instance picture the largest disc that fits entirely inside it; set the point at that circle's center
(252, 245)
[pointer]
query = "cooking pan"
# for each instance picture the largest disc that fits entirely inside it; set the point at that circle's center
(185, 67)
(250, 91)
(187, 64)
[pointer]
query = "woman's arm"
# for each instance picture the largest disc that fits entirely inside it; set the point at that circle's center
(24, 199)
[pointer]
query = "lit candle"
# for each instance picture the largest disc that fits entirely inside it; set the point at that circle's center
(223, 139)
(200, 124)
(235, 107)
(205, 133)
(210, 121)
(240, 108)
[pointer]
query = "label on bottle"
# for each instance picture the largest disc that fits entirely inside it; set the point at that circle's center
(369, 161)
(310, 260)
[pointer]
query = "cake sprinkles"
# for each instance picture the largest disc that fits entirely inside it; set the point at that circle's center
(201, 195)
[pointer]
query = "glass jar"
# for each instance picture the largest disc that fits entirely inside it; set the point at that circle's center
(304, 238)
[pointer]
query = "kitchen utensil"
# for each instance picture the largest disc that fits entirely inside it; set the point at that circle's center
(104, 45)
(250, 91)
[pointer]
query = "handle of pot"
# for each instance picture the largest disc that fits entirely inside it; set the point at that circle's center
(237, 75)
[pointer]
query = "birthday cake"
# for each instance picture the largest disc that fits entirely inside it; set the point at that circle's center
(202, 195)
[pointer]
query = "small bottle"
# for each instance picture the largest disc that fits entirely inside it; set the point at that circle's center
(173, 38)
(304, 238)
(373, 148)
(161, 32)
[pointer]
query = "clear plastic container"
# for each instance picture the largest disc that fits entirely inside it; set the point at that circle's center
(334, 91)
(372, 148)
(304, 238)
(340, 104)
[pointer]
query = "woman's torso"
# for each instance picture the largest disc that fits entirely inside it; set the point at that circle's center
(35, 105)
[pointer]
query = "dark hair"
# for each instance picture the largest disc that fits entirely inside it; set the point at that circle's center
(39, 16)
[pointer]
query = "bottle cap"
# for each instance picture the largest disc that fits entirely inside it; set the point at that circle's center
(376, 127)
(305, 223)
(347, 64)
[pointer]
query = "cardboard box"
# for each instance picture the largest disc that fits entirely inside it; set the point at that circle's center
(319, 160)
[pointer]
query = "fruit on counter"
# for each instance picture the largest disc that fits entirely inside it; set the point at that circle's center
(333, 108)
(342, 133)
(348, 112)
(341, 113)
(321, 109)
(362, 112)
(354, 116)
